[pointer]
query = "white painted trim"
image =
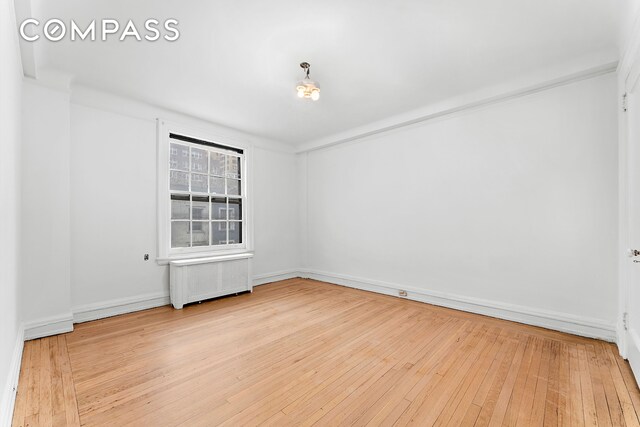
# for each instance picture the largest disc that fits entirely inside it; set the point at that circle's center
(633, 349)
(115, 307)
(628, 72)
(91, 97)
(452, 106)
(263, 279)
(621, 340)
(51, 79)
(178, 257)
(48, 326)
(577, 325)
(101, 310)
(623, 219)
(164, 129)
(10, 388)
(207, 260)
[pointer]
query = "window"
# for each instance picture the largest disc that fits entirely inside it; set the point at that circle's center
(202, 195)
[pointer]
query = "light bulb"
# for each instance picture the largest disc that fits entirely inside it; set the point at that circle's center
(307, 88)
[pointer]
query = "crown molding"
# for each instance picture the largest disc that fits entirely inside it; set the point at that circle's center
(51, 79)
(107, 101)
(453, 106)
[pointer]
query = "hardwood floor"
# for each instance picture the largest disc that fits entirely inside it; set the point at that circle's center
(301, 352)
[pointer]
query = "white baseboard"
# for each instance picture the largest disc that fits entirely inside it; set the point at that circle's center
(88, 312)
(11, 386)
(577, 325)
(263, 279)
(48, 326)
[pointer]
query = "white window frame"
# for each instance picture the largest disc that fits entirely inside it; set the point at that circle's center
(165, 252)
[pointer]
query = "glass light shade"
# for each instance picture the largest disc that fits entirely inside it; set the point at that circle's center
(308, 89)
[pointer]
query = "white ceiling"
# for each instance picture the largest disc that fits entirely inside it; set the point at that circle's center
(236, 62)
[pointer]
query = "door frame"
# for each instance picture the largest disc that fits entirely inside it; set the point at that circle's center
(628, 78)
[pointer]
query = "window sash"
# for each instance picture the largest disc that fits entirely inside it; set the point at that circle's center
(170, 132)
(232, 207)
(235, 177)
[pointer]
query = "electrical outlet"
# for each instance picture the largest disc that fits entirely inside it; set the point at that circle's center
(402, 293)
(146, 257)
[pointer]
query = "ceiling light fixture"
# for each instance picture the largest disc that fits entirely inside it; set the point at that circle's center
(307, 88)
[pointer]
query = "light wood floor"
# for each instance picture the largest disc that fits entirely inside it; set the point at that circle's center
(301, 352)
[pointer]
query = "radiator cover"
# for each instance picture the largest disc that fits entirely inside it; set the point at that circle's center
(199, 279)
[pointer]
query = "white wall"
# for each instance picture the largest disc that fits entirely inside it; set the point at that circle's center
(10, 127)
(113, 201)
(113, 207)
(515, 203)
(275, 213)
(89, 206)
(45, 237)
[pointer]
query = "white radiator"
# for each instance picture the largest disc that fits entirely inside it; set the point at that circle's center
(198, 279)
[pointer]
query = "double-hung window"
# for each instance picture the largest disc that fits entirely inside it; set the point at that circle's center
(202, 195)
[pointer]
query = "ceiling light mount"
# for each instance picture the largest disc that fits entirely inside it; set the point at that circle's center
(307, 88)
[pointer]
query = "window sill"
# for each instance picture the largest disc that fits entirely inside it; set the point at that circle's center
(205, 257)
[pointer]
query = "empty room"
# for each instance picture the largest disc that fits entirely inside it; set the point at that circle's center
(339, 213)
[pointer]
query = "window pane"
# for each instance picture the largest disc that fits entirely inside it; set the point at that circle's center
(199, 183)
(180, 237)
(179, 207)
(217, 164)
(200, 233)
(233, 167)
(233, 187)
(212, 214)
(199, 160)
(179, 157)
(179, 181)
(235, 209)
(218, 208)
(235, 232)
(216, 185)
(218, 233)
(200, 208)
